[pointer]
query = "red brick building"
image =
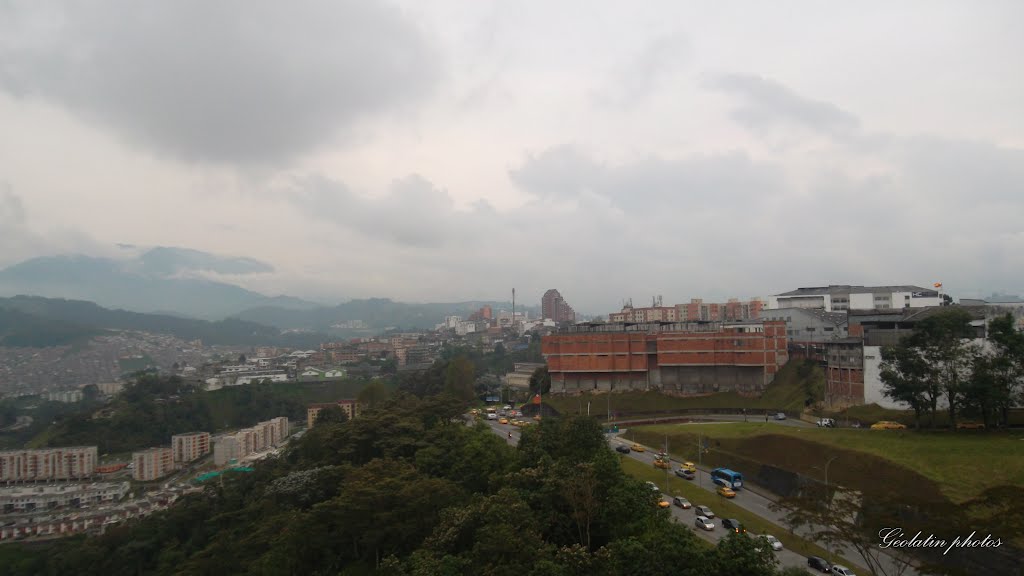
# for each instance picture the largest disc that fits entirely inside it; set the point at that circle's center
(683, 358)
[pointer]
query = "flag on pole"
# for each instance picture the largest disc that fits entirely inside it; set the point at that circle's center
(536, 399)
(938, 284)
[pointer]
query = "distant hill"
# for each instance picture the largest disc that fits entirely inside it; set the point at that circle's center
(37, 321)
(21, 330)
(160, 279)
(376, 313)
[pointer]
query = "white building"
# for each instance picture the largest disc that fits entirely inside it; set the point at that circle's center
(840, 298)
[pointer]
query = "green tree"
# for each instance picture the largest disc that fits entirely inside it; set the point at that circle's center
(998, 375)
(331, 415)
(540, 381)
(374, 394)
(459, 378)
(905, 378)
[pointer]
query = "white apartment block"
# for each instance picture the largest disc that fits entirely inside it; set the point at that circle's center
(26, 498)
(48, 463)
(263, 436)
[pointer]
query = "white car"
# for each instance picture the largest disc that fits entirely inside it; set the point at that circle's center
(653, 486)
(772, 541)
(704, 523)
(842, 570)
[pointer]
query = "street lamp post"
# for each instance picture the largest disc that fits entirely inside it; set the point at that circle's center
(828, 497)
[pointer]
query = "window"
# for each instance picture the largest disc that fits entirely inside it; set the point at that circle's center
(809, 329)
(828, 329)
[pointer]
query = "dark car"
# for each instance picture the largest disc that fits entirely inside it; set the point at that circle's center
(819, 564)
(622, 448)
(734, 525)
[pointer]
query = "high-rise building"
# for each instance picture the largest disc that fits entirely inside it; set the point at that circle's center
(48, 463)
(153, 463)
(555, 307)
(190, 446)
(349, 407)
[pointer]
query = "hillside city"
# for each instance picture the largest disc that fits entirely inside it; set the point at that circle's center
(686, 350)
(463, 288)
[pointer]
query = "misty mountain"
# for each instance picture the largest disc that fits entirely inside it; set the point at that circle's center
(159, 279)
(375, 313)
(37, 321)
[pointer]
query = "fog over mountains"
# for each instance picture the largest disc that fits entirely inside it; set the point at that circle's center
(162, 279)
(174, 282)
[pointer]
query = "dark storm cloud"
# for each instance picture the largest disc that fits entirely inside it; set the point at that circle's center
(767, 103)
(232, 81)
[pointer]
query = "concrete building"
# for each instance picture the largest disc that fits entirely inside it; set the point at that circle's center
(152, 464)
(519, 378)
(190, 446)
(24, 498)
(226, 450)
(853, 364)
(808, 329)
(349, 407)
(65, 396)
(694, 358)
(842, 297)
(48, 464)
(555, 307)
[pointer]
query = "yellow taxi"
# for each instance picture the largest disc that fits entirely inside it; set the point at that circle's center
(637, 448)
(887, 425)
(726, 491)
(503, 421)
(659, 463)
(688, 466)
(663, 503)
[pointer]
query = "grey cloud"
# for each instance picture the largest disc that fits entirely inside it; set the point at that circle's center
(233, 81)
(414, 213)
(768, 103)
(645, 72)
(682, 188)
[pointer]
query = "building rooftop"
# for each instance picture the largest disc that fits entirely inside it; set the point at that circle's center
(850, 289)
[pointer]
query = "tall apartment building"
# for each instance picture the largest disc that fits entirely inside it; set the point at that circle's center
(349, 407)
(681, 358)
(555, 307)
(190, 446)
(262, 436)
(48, 463)
(153, 463)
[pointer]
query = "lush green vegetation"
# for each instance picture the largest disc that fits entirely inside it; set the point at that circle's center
(949, 461)
(793, 386)
(941, 363)
(409, 489)
(153, 408)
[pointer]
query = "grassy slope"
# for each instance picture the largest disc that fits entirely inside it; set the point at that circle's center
(724, 508)
(784, 393)
(951, 460)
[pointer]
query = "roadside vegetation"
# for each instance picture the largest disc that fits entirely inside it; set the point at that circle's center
(409, 489)
(723, 508)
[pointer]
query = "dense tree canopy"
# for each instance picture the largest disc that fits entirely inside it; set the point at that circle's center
(407, 488)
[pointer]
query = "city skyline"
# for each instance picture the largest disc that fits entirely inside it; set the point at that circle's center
(696, 151)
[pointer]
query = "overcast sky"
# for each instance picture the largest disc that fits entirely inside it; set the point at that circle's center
(443, 151)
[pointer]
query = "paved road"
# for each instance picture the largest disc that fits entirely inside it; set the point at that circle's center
(751, 501)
